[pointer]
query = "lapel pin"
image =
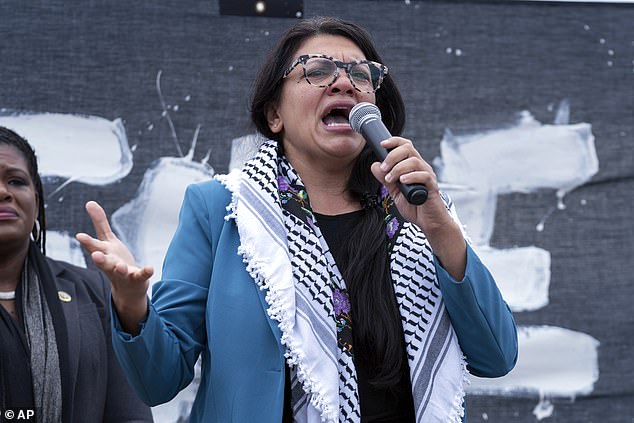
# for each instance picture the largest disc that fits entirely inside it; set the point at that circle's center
(64, 296)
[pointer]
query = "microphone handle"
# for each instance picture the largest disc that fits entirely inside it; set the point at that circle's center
(374, 131)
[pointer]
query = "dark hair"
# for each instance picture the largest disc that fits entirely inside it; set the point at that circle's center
(377, 331)
(11, 138)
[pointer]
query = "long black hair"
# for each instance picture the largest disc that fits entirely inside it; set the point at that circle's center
(377, 331)
(11, 138)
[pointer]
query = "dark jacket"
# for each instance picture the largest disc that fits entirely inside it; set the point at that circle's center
(94, 388)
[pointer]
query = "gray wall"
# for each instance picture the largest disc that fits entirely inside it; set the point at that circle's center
(467, 67)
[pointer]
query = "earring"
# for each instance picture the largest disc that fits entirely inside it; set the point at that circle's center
(36, 231)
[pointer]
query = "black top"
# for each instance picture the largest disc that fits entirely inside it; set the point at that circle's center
(378, 405)
(16, 389)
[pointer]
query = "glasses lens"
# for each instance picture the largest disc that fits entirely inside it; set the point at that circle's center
(366, 76)
(319, 71)
(362, 76)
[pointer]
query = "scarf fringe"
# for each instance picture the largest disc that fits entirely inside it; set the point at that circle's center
(231, 182)
(457, 407)
(276, 310)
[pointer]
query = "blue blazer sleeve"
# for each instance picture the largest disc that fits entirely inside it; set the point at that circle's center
(159, 362)
(481, 319)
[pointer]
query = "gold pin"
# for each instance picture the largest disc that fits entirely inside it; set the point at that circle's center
(64, 296)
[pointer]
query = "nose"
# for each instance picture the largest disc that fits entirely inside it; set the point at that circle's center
(342, 84)
(5, 194)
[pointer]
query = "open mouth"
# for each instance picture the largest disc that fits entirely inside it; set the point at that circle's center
(337, 117)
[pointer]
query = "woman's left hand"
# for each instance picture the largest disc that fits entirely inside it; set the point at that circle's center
(405, 164)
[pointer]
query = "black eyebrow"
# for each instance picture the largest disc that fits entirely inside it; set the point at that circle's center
(13, 169)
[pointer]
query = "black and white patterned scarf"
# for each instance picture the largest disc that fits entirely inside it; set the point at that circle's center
(289, 258)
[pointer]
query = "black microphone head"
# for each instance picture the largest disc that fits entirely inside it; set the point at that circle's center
(362, 112)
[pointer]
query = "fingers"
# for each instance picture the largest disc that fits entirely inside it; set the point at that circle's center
(142, 274)
(132, 273)
(89, 243)
(399, 150)
(99, 220)
(107, 262)
(119, 270)
(408, 171)
(404, 164)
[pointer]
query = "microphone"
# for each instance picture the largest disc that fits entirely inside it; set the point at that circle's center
(365, 118)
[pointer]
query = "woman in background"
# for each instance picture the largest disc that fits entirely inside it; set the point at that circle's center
(56, 355)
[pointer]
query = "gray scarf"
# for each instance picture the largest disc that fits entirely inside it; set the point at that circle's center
(40, 336)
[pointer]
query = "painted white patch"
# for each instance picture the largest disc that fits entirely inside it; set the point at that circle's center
(147, 223)
(523, 158)
(87, 149)
(522, 274)
(553, 362)
(476, 207)
(62, 246)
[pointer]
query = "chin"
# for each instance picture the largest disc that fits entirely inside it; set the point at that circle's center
(347, 147)
(13, 236)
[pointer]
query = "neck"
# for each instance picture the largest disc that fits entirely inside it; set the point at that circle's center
(11, 264)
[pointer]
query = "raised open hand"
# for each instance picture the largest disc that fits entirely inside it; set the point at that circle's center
(129, 281)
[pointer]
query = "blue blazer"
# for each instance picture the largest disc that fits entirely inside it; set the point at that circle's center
(207, 303)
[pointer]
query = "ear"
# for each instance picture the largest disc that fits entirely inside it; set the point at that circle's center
(274, 119)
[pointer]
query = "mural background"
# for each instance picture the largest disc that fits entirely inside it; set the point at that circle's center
(149, 81)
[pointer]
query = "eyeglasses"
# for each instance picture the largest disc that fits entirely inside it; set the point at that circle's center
(322, 71)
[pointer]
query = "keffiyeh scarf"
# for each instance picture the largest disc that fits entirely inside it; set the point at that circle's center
(287, 256)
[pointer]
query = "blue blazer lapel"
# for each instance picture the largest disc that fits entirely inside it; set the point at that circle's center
(277, 332)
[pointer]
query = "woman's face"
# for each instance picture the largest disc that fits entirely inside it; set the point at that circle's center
(18, 198)
(311, 132)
